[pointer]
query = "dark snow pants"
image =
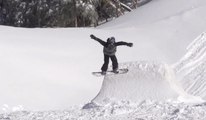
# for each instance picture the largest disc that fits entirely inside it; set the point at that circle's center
(106, 62)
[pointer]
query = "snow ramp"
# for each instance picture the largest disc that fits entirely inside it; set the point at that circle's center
(143, 81)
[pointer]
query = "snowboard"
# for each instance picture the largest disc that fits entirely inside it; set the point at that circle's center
(110, 72)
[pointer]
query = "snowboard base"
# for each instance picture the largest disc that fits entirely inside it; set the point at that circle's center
(110, 72)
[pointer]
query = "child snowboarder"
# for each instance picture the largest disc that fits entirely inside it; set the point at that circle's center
(109, 51)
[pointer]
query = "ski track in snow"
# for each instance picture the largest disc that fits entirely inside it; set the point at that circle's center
(191, 69)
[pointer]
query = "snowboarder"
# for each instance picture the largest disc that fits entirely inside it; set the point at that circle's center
(109, 51)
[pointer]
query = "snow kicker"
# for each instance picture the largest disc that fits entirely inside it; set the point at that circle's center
(144, 81)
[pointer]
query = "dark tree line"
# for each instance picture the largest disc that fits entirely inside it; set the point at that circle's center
(62, 13)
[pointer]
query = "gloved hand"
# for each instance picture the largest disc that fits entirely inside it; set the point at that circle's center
(92, 36)
(130, 44)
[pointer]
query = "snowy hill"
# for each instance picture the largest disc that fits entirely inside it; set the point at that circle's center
(161, 10)
(161, 28)
(50, 69)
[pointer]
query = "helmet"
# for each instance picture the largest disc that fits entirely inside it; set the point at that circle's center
(111, 40)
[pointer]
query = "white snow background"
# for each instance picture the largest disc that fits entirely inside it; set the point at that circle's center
(45, 73)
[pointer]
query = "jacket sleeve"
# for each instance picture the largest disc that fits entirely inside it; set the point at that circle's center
(121, 43)
(99, 40)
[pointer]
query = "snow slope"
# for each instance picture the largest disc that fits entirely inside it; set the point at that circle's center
(49, 69)
(162, 28)
(43, 69)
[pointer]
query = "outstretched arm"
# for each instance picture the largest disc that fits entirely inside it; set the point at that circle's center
(99, 40)
(124, 43)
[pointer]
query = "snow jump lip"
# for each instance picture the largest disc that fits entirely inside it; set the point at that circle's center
(143, 81)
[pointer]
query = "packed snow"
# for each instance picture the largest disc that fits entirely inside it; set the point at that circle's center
(133, 86)
(45, 74)
(191, 68)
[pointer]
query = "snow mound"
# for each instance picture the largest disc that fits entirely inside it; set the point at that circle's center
(191, 69)
(144, 81)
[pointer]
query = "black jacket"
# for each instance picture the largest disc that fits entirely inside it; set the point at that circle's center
(110, 49)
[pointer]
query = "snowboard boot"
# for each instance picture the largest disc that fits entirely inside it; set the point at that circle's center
(103, 72)
(115, 71)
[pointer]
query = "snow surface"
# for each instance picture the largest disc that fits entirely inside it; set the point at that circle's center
(46, 71)
(143, 81)
(191, 68)
(122, 110)
(133, 85)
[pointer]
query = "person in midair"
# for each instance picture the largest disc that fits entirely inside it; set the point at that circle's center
(109, 50)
